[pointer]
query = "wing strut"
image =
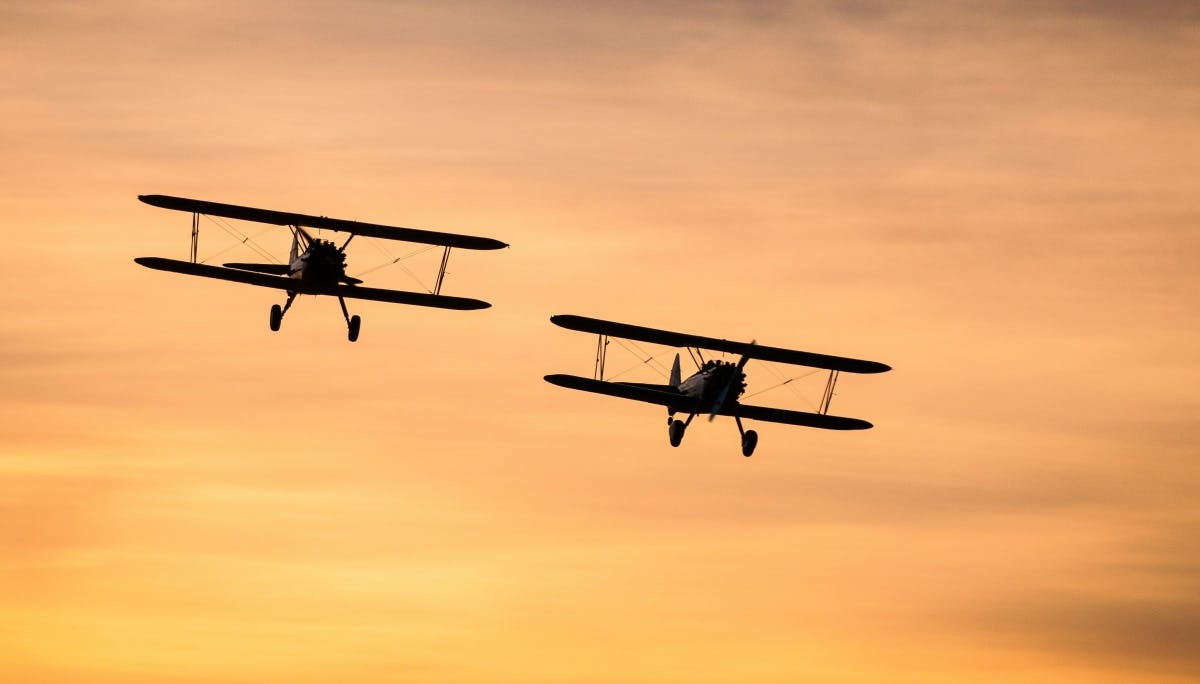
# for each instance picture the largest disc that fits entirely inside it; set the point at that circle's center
(828, 397)
(601, 356)
(437, 288)
(195, 236)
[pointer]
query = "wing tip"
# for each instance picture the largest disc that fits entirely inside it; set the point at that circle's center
(455, 303)
(573, 321)
(151, 262)
(443, 302)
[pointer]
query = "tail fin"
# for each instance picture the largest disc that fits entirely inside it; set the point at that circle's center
(676, 378)
(295, 248)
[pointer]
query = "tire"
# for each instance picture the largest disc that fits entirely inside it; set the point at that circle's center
(675, 432)
(276, 316)
(749, 441)
(355, 324)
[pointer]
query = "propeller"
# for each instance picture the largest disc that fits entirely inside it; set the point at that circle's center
(720, 403)
(349, 280)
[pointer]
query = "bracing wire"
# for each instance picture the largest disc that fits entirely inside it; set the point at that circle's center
(396, 260)
(641, 354)
(783, 379)
(651, 358)
(786, 382)
(249, 242)
(241, 237)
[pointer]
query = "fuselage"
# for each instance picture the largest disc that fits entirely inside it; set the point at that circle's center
(321, 267)
(707, 384)
(322, 264)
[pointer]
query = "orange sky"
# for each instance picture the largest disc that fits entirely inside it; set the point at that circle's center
(1002, 203)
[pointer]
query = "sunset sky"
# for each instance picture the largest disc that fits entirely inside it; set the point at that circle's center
(1000, 200)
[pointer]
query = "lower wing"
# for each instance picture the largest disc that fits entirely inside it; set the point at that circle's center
(294, 285)
(776, 415)
(663, 395)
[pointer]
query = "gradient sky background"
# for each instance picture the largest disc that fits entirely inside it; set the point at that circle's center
(1001, 200)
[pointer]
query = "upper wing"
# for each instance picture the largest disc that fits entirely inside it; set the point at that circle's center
(775, 415)
(294, 285)
(671, 399)
(284, 218)
(754, 351)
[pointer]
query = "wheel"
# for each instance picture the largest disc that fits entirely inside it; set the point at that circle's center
(749, 441)
(675, 432)
(276, 316)
(355, 323)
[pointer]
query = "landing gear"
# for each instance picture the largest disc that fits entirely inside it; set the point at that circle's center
(749, 441)
(675, 432)
(277, 312)
(749, 438)
(352, 322)
(676, 428)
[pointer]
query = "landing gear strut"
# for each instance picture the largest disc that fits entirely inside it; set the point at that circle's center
(277, 312)
(749, 438)
(353, 323)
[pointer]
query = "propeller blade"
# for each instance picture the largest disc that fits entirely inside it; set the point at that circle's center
(720, 404)
(742, 363)
(306, 238)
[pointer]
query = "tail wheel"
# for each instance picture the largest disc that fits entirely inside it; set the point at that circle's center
(355, 323)
(276, 316)
(749, 441)
(675, 432)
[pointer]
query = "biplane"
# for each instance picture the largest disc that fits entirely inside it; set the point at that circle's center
(716, 385)
(315, 266)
